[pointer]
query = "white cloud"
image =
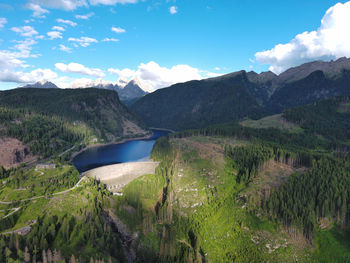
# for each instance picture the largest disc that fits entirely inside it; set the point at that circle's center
(80, 69)
(112, 2)
(330, 41)
(118, 30)
(65, 49)
(38, 11)
(12, 60)
(3, 21)
(83, 41)
(124, 73)
(67, 22)
(54, 34)
(173, 10)
(68, 5)
(9, 60)
(110, 40)
(7, 75)
(12, 63)
(158, 77)
(84, 17)
(25, 31)
(23, 46)
(213, 75)
(58, 28)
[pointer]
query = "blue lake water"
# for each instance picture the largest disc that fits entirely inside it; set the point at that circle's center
(132, 151)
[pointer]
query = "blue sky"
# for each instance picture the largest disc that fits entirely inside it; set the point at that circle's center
(162, 42)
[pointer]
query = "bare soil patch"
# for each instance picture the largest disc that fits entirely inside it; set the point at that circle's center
(13, 152)
(272, 175)
(131, 128)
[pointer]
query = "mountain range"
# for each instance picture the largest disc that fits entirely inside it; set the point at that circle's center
(128, 91)
(239, 95)
(41, 85)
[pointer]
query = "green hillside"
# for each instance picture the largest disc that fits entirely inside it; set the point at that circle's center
(224, 193)
(197, 104)
(52, 120)
(236, 96)
(327, 118)
(315, 87)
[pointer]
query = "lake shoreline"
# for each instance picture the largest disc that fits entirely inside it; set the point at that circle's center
(75, 154)
(162, 129)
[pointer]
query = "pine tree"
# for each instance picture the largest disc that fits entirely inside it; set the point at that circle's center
(8, 254)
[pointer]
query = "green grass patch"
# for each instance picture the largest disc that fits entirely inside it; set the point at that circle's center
(332, 245)
(24, 183)
(273, 121)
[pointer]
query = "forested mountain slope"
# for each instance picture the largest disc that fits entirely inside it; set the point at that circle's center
(51, 120)
(315, 87)
(238, 95)
(223, 193)
(198, 104)
(236, 195)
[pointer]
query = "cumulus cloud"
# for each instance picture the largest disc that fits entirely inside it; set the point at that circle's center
(158, 77)
(213, 75)
(3, 21)
(10, 60)
(124, 73)
(83, 41)
(12, 63)
(25, 31)
(79, 69)
(65, 49)
(84, 17)
(110, 40)
(68, 5)
(173, 10)
(58, 28)
(54, 34)
(24, 46)
(67, 22)
(112, 2)
(330, 41)
(38, 11)
(118, 30)
(7, 75)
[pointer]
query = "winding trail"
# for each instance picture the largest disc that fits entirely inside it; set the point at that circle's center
(22, 231)
(14, 211)
(43, 196)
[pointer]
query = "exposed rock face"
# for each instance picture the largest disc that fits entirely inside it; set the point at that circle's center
(330, 69)
(41, 85)
(13, 152)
